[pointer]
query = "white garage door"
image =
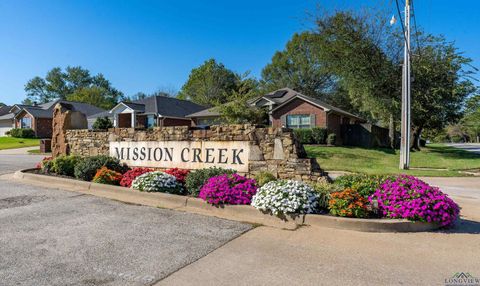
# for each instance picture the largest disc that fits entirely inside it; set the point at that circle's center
(5, 126)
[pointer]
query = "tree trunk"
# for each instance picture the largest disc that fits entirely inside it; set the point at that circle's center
(417, 132)
(391, 131)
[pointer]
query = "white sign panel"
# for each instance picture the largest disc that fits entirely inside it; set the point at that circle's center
(183, 154)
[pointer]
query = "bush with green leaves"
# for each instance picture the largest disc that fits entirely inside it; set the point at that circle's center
(264, 177)
(331, 139)
(158, 182)
(324, 190)
(304, 135)
(22, 133)
(319, 135)
(102, 123)
(364, 184)
(65, 165)
(88, 166)
(196, 179)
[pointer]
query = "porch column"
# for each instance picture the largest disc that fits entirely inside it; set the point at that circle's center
(134, 119)
(115, 120)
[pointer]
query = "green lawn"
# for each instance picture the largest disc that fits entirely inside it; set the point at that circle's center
(385, 161)
(11, 143)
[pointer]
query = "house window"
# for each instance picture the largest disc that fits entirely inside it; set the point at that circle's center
(150, 121)
(299, 121)
(26, 122)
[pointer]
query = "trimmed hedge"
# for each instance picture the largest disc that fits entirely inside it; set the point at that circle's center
(314, 135)
(22, 133)
(88, 167)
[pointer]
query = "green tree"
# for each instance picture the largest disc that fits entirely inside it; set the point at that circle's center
(471, 119)
(74, 82)
(209, 84)
(238, 110)
(440, 87)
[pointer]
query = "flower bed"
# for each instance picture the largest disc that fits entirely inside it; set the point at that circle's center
(411, 198)
(228, 189)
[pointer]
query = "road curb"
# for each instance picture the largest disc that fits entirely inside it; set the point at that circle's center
(243, 213)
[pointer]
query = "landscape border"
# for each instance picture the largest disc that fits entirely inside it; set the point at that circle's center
(242, 213)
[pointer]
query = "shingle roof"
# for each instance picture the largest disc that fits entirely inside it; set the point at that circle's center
(166, 106)
(45, 110)
(101, 114)
(4, 110)
(292, 94)
(209, 112)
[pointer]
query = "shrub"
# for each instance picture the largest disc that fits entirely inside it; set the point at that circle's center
(364, 184)
(324, 190)
(348, 203)
(22, 133)
(107, 176)
(411, 198)
(304, 135)
(45, 165)
(179, 174)
(228, 189)
(331, 139)
(87, 167)
(319, 135)
(130, 175)
(286, 197)
(264, 177)
(102, 123)
(157, 182)
(196, 179)
(65, 165)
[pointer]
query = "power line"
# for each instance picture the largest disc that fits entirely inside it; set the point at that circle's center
(416, 30)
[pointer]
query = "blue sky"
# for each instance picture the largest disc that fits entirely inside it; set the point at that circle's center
(147, 45)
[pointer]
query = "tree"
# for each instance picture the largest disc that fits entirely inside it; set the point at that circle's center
(471, 119)
(2, 104)
(209, 84)
(363, 53)
(299, 67)
(74, 82)
(440, 86)
(102, 123)
(238, 110)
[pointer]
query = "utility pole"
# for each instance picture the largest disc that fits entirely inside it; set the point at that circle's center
(405, 128)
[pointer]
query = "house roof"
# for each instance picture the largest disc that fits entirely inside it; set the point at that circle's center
(4, 110)
(290, 94)
(164, 106)
(209, 112)
(101, 114)
(45, 110)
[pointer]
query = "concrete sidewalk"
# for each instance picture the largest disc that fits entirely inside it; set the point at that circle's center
(18, 151)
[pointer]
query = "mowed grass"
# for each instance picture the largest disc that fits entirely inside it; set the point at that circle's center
(385, 161)
(11, 143)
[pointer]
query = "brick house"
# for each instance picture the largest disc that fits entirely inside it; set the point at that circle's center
(153, 111)
(291, 109)
(39, 117)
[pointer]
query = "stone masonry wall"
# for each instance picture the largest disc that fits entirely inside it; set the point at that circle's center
(275, 150)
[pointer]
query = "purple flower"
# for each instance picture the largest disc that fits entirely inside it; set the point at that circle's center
(411, 198)
(228, 189)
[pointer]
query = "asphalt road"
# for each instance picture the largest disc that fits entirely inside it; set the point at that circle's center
(53, 237)
(471, 147)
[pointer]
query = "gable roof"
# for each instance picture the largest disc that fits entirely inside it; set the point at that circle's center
(4, 109)
(209, 112)
(45, 110)
(291, 95)
(164, 106)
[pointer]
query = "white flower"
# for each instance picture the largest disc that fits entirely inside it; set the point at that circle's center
(157, 182)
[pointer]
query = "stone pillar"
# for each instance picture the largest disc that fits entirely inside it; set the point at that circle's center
(65, 118)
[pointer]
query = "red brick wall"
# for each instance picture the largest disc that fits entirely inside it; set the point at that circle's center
(176, 122)
(298, 106)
